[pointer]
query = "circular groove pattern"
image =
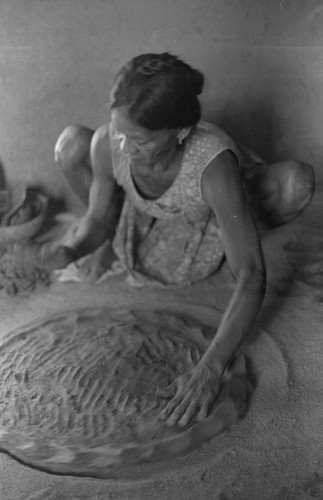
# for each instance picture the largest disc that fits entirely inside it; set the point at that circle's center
(78, 391)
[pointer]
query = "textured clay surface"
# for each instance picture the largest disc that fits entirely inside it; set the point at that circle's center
(18, 225)
(78, 391)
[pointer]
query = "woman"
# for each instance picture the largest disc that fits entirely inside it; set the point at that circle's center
(192, 196)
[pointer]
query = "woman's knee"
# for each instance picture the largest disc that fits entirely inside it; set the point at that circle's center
(297, 182)
(72, 148)
(290, 185)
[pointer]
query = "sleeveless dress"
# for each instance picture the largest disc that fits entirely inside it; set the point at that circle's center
(174, 239)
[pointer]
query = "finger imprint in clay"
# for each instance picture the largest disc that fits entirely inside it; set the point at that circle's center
(79, 391)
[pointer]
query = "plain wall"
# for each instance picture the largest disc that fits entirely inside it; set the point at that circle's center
(263, 62)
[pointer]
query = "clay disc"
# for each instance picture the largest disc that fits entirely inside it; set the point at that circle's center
(78, 391)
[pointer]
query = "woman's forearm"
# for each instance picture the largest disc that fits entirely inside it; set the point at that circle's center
(237, 320)
(87, 237)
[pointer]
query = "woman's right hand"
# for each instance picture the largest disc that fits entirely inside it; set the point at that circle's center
(27, 257)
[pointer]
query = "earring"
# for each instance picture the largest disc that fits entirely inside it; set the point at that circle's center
(183, 134)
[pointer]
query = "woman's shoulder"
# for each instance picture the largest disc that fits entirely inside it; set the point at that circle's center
(210, 131)
(206, 142)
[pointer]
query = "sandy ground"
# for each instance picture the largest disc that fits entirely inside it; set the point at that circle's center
(276, 451)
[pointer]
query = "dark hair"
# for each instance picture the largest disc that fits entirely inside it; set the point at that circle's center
(159, 91)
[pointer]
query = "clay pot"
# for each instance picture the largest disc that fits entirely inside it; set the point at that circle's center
(24, 214)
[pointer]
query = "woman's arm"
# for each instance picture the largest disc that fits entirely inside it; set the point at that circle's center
(98, 224)
(223, 191)
(194, 392)
(105, 199)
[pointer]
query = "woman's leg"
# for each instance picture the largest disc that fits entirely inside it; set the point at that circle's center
(72, 153)
(279, 192)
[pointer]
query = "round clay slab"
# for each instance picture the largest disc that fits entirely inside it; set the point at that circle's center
(78, 391)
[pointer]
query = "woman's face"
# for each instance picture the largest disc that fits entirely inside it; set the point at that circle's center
(142, 145)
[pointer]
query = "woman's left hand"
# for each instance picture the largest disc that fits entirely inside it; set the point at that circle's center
(193, 393)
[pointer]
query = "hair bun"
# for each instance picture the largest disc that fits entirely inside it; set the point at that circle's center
(197, 81)
(193, 77)
(150, 65)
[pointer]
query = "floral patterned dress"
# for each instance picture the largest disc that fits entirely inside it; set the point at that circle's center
(174, 239)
